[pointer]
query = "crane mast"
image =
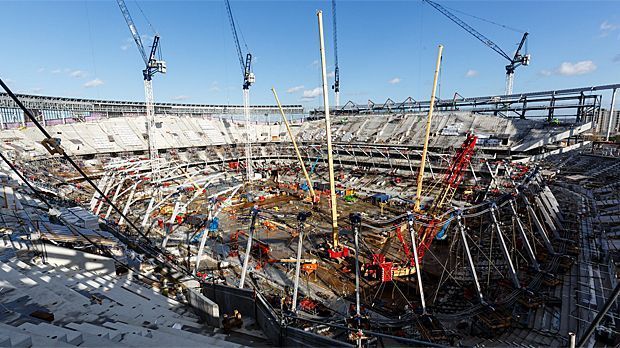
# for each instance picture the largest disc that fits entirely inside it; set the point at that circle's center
(517, 60)
(248, 80)
(152, 66)
(336, 85)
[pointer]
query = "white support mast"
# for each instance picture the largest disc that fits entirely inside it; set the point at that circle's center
(248, 141)
(150, 128)
(328, 135)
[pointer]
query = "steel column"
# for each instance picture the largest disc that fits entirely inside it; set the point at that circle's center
(254, 214)
(500, 234)
(414, 244)
(528, 246)
(470, 260)
(611, 113)
(538, 224)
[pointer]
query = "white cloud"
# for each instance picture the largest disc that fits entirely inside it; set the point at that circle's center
(579, 68)
(56, 71)
(607, 28)
(394, 81)
(128, 43)
(312, 93)
(40, 70)
(471, 73)
(180, 97)
(78, 74)
(295, 89)
(571, 69)
(36, 90)
(93, 83)
(331, 74)
(146, 41)
(315, 62)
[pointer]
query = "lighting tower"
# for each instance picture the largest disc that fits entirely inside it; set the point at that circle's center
(336, 85)
(513, 62)
(153, 66)
(248, 80)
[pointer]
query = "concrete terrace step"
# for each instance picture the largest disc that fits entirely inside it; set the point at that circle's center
(142, 305)
(43, 275)
(24, 338)
(96, 330)
(54, 332)
(171, 336)
(38, 294)
(122, 304)
(217, 340)
(128, 328)
(136, 313)
(13, 337)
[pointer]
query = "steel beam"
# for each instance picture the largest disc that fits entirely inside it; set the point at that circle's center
(611, 113)
(254, 214)
(416, 259)
(128, 204)
(102, 183)
(105, 193)
(470, 260)
(538, 224)
(528, 246)
(500, 234)
(548, 219)
(148, 211)
(552, 213)
(356, 222)
(301, 217)
(115, 197)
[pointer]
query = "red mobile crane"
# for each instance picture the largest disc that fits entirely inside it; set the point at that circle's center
(384, 270)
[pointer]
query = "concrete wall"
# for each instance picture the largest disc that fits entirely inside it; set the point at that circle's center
(209, 310)
(251, 304)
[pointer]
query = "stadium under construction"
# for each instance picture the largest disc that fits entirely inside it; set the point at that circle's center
(480, 221)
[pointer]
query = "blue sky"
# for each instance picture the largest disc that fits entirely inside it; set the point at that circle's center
(386, 49)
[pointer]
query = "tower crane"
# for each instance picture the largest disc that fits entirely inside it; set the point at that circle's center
(248, 80)
(152, 66)
(336, 85)
(513, 62)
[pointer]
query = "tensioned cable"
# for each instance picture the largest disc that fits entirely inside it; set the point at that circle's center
(146, 18)
(67, 224)
(486, 20)
(64, 155)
